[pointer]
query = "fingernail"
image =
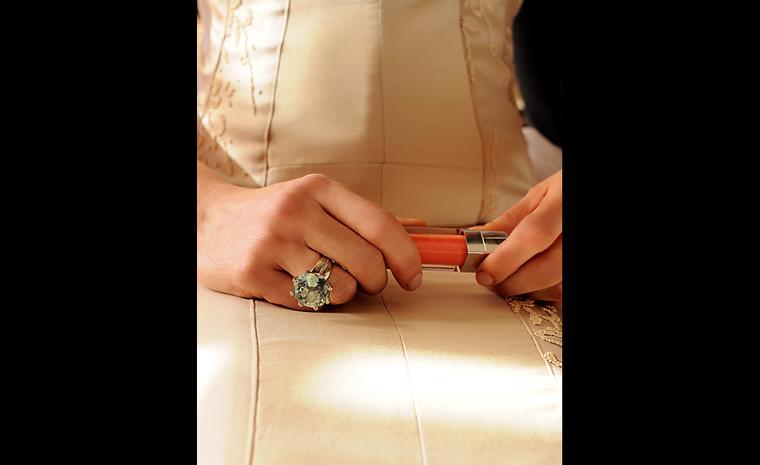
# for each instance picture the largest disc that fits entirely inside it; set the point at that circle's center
(483, 278)
(415, 282)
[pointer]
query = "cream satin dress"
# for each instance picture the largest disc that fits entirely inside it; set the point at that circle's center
(410, 104)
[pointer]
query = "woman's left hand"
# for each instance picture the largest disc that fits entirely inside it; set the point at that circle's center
(529, 262)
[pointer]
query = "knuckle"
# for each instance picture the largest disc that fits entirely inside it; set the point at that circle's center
(409, 263)
(375, 280)
(510, 216)
(284, 207)
(384, 221)
(315, 181)
(389, 221)
(370, 265)
(375, 261)
(388, 216)
(343, 288)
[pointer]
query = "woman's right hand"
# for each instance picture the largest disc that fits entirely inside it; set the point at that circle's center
(252, 242)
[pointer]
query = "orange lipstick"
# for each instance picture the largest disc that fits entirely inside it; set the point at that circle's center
(454, 248)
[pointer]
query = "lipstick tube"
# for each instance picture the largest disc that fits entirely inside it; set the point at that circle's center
(454, 249)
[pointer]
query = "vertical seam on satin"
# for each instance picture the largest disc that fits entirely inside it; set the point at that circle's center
(254, 332)
(540, 351)
(216, 66)
(420, 437)
(382, 96)
(268, 133)
(462, 39)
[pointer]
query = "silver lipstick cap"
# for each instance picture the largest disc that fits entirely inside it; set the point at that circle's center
(479, 245)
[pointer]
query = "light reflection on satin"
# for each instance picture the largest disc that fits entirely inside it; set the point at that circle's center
(211, 360)
(462, 390)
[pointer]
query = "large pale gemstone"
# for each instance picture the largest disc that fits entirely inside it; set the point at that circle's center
(311, 290)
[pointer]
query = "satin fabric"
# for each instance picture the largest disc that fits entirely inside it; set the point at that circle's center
(447, 374)
(407, 102)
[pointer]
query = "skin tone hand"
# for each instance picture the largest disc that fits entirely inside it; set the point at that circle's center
(252, 242)
(529, 262)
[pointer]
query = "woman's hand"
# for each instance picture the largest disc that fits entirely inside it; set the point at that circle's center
(530, 260)
(252, 242)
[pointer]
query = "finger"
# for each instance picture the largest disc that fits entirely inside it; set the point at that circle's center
(360, 258)
(376, 225)
(552, 294)
(343, 286)
(298, 260)
(534, 234)
(412, 222)
(508, 220)
(540, 272)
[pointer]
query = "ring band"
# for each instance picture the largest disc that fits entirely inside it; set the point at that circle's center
(323, 267)
(311, 289)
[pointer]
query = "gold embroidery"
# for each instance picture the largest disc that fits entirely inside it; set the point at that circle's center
(241, 23)
(550, 335)
(217, 125)
(220, 91)
(213, 148)
(551, 358)
(538, 314)
(517, 304)
(551, 316)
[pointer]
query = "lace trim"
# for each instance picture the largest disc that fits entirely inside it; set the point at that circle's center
(481, 9)
(551, 358)
(538, 314)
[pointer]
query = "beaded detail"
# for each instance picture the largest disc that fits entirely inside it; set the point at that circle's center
(551, 358)
(538, 314)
